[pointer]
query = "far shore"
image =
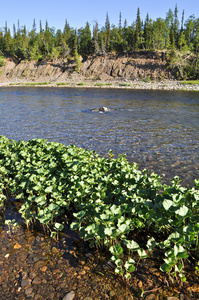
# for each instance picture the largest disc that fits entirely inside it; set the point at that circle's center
(114, 83)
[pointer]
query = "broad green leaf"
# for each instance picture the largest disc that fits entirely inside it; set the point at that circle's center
(132, 245)
(167, 204)
(128, 275)
(117, 249)
(49, 189)
(165, 268)
(75, 225)
(151, 243)
(180, 252)
(41, 200)
(123, 228)
(79, 215)
(182, 211)
(59, 226)
(142, 253)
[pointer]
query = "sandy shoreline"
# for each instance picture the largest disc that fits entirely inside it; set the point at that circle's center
(125, 84)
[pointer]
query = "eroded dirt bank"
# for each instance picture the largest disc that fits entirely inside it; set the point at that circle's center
(140, 70)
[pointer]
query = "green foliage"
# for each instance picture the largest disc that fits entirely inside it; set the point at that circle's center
(2, 61)
(159, 34)
(109, 202)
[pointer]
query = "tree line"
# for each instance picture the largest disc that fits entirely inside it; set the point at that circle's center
(160, 34)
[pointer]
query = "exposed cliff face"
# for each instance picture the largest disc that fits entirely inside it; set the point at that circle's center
(138, 65)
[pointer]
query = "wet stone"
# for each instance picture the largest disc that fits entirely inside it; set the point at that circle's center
(36, 280)
(69, 296)
(151, 297)
(39, 264)
(24, 275)
(25, 282)
(32, 275)
(35, 259)
(28, 291)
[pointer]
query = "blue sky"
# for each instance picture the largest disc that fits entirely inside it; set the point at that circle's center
(78, 12)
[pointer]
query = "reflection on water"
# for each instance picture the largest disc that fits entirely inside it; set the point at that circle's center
(156, 129)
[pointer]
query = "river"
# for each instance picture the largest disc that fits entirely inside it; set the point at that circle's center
(157, 129)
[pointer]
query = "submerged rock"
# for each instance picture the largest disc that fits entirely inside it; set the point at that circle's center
(101, 109)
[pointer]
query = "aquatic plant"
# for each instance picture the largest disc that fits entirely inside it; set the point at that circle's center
(111, 203)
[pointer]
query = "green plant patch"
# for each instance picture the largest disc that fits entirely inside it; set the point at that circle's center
(81, 83)
(192, 82)
(100, 84)
(2, 61)
(63, 83)
(124, 84)
(37, 83)
(109, 202)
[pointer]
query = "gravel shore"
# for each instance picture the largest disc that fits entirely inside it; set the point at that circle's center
(116, 83)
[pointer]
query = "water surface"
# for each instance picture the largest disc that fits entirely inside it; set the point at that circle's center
(157, 129)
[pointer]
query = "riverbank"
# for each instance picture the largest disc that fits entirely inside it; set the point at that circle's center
(114, 83)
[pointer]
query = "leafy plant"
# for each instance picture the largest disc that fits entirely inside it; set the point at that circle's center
(108, 201)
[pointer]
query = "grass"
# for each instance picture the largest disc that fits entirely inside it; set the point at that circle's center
(124, 84)
(63, 83)
(81, 83)
(100, 84)
(186, 82)
(37, 83)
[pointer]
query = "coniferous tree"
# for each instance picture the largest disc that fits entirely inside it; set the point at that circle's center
(76, 54)
(85, 43)
(107, 33)
(138, 36)
(95, 39)
(148, 33)
(176, 26)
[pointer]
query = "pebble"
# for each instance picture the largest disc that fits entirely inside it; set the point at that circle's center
(151, 297)
(43, 269)
(25, 282)
(69, 296)
(28, 291)
(36, 280)
(39, 264)
(17, 246)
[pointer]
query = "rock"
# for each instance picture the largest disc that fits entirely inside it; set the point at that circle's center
(151, 297)
(32, 275)
(82, 272)
(17, 246)
(44, 268)
(55, 250)
(24, 275)
(69, 296)
(36, 280)
(171, 298)
(39, 264)
(28, 291)
(25, 282)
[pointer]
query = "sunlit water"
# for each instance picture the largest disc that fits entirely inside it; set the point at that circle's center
(157, 129)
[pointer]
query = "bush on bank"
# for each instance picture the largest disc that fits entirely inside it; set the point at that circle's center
(108, 201)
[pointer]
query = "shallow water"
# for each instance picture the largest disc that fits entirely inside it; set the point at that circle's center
(157, 129)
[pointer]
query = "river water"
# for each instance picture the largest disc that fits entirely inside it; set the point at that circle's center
(157, 129)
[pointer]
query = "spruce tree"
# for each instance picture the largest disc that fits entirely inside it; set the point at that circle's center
(138, 31)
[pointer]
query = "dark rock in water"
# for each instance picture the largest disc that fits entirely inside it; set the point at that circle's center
(101, 109)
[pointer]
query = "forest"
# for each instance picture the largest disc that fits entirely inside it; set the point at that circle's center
(177, 37)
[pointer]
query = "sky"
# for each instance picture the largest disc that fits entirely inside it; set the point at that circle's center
(78, 12)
